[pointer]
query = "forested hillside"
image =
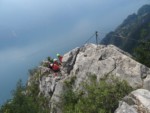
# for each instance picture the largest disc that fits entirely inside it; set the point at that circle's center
(134, 30)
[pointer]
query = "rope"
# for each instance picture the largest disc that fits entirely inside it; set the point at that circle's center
(96, 37)
(89, 38)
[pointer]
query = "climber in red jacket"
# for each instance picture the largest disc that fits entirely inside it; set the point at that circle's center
(55, 67)
(55, 61)
(59, 57)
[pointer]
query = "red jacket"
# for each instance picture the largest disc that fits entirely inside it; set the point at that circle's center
(60, 59)
(55, 67)
(56, 62)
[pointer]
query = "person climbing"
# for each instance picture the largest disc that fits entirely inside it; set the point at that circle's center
(59, 57)
(49, 65)
(55, 68)
(50, 59)
(55, 61)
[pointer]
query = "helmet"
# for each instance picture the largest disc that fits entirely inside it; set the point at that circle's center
(55, 60)
(51, 65)
(58, 55)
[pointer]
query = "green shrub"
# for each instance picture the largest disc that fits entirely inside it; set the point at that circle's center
(95, 97)
(20, 102)
(26, 100)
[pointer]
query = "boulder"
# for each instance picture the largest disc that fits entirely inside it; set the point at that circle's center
(125, 108)
(137, 101)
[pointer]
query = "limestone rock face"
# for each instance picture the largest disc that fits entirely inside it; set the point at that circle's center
(125, 108)
(137, 101)
(102, 61)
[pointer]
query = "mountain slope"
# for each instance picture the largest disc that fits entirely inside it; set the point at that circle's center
(134, 29)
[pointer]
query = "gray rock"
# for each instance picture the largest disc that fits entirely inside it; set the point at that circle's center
(47, 84)
(125, 108)
(69, 60)
(140, 100)
(55, 100)
(146, 83)
(142, 97)
(103, 60)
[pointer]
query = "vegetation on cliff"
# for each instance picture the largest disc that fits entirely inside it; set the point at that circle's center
(94, 96)
(26, 99)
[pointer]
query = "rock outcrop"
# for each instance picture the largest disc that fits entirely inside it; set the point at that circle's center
(137, 101)
(102, 61)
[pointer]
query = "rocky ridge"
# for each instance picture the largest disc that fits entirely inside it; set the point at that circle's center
(102, 61)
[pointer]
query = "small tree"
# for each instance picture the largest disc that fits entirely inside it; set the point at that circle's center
(20, 103)
(23, 102)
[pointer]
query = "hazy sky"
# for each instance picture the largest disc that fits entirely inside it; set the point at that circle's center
(30, 30)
